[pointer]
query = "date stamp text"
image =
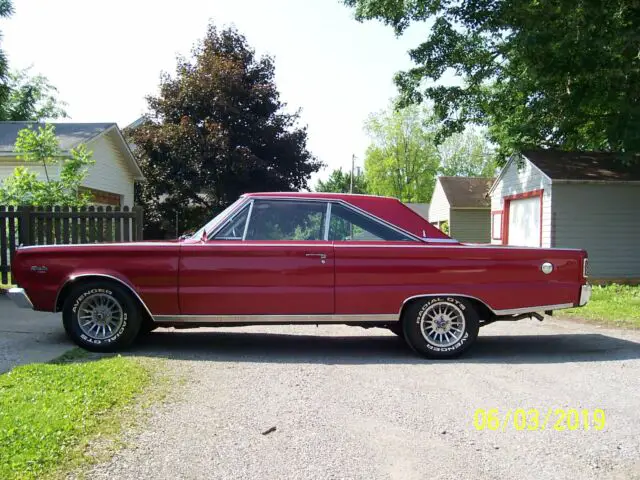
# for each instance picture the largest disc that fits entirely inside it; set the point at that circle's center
(534, 419)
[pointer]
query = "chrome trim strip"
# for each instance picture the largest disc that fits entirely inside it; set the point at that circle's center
(73, 278)
(246, 224)
(392, 317)
(440, 240)
(104, 244)
(512, 311)
(20, 297)
(457, 245)
(541, 308)
(327, 222)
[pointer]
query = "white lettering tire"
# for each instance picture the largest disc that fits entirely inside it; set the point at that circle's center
(440, 327)
(101, 317)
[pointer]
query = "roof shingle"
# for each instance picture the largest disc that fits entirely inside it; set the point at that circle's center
(69, 134)
(467, 192)
(595, 166)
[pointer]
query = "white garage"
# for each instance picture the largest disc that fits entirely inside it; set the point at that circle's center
(589, 200)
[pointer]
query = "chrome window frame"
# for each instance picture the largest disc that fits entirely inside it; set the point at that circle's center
(378, 220)
(252, 200)
(327, 222)
(230, 218)
(246, 224)
(225, 220)
(329, 202)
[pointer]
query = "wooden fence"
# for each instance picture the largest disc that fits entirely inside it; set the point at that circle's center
(62, 226)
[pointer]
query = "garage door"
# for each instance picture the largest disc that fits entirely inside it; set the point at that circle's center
(524, 222)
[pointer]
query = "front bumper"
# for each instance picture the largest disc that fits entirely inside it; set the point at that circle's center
(585, 294)
(20, 297)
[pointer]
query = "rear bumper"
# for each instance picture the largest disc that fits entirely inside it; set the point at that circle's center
(585, 294)
(20, 297)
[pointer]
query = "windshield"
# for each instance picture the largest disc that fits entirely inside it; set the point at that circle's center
(217, 219)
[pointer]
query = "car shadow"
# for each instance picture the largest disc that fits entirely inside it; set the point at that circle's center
(227, 346)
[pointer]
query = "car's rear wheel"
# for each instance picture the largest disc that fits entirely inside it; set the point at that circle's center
(101, 317)
(440, 327)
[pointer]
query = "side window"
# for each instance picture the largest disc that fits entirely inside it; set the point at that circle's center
(349, 225)
(234, 229)
(287, 220)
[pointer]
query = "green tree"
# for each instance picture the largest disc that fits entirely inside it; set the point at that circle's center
(41, 147)
(402, 160)
(216, 130)
(6, 10)
(340, 182)
(30, 98)
(467, 154)
(553, 73)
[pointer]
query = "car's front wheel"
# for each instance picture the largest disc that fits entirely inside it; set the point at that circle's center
(440, 327)
(101, 317)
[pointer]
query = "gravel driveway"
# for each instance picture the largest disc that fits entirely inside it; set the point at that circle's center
(354, 404)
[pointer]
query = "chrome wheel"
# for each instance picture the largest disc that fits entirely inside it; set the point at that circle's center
(442, 324)
(100, 316)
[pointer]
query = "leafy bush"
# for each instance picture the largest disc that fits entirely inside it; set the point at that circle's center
(42, 147)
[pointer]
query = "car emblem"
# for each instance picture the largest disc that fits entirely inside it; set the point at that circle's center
(39, 269)
(547, 268)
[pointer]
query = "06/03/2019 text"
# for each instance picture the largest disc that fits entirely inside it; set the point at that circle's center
(534, 419)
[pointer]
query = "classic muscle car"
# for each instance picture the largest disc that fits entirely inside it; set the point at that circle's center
(309, 258)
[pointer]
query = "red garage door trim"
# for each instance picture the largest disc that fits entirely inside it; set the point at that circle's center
(505, 214)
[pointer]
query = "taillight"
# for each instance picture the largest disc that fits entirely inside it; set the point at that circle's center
(585, 268)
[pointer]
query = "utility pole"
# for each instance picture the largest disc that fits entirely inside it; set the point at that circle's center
(353, 163)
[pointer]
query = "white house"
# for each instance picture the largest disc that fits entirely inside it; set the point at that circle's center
(462, 202)
(421, 209)
(550, 198)
(111, 179)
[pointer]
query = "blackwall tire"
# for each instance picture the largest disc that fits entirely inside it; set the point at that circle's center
(101, 317)
(440, 327)
(396, 328)
(147, 326)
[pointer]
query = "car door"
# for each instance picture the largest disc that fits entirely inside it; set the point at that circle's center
(270, 260)
(377, 265)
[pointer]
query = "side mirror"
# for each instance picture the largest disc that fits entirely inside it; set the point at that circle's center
(203, 237)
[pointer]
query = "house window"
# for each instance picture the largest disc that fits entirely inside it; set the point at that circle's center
(496, 225)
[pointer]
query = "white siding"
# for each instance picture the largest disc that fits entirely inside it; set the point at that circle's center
(473, 226)
(439, 206)
(604, 220)
(110, 172)
(519, 179)
(8, 166)
(421, 209)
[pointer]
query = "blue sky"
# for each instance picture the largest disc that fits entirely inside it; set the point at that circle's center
(104, 57)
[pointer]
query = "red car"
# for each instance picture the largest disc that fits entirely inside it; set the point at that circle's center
(307, 258)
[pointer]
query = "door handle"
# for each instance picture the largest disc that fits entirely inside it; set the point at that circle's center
(321, 256)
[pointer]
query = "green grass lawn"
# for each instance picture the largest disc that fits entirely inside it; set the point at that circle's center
(612, 305)
(49, 413)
